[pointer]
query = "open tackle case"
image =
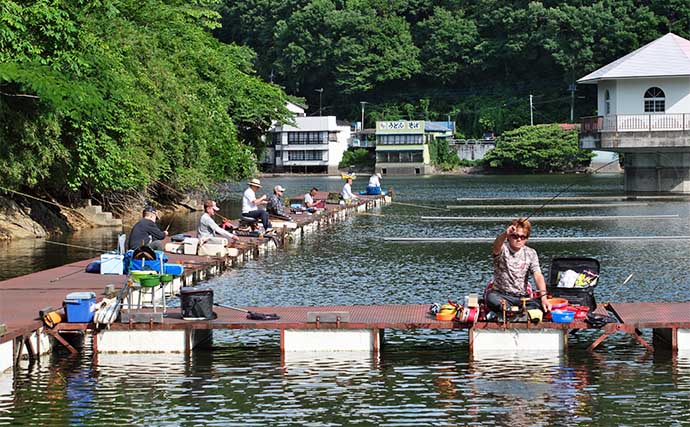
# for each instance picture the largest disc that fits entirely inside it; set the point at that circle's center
(575, 279)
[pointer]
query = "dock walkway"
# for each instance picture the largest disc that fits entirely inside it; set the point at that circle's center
(22, 297)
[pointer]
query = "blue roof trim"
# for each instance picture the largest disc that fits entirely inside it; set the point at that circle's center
(439, 126)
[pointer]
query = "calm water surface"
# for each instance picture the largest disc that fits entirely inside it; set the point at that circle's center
(420, 377)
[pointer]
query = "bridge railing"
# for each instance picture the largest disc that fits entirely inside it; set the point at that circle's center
(636, 123)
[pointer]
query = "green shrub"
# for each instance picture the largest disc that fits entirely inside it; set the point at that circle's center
(541, 148)
(359, 157)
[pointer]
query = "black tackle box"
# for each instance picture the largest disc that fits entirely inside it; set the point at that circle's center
(576, 295)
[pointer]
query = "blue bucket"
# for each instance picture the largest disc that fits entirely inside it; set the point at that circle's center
(562, 316)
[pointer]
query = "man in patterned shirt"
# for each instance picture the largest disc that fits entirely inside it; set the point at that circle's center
(513, 262)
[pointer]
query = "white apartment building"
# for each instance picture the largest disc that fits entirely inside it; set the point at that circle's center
(312, 144)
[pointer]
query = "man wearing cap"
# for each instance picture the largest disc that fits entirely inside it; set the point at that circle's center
(250, 204)
(374, 187)
(208, 229)
(276, 204)
(146, 231)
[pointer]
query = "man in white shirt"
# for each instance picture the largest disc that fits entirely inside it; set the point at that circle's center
(250, 204)
(309, 201)
(346, 193)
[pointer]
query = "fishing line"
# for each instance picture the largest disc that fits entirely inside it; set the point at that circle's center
(40, 200)
(419, 206)
(76, 246)
(536, 211)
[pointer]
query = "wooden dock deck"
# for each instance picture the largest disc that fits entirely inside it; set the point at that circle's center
(22, 297)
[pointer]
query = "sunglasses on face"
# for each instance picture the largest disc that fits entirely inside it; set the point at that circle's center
(518, 236)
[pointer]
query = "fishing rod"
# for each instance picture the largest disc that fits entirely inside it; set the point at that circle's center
(171, 221)
(537, 210)
(40, 200)
(419, 206)
(179, 193)
(76, 246)
(615, 293)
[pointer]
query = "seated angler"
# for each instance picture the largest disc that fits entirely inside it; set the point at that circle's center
(146, 231)
(250, 204)
(209, 231)
(276, 204)
(513, 262)
(346, 192)
(374, 186)
(309, 202)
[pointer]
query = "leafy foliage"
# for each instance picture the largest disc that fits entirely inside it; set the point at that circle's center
(442, 154)
(541, 148)
(477, 60)
(120, 94)
(359, 157)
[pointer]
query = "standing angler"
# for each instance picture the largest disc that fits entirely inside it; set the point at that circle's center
(513, 262)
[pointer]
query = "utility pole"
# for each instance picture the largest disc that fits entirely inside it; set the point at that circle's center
(363, 103)
(320, 91)
(572, 88)
(531, 111)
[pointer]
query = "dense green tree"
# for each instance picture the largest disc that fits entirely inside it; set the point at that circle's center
(542, 148)
(120, 94)
(476, 59)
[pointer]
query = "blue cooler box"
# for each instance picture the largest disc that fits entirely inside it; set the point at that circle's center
(78, 307)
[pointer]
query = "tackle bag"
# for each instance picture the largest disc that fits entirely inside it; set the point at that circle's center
(587, 270)
(196, 304)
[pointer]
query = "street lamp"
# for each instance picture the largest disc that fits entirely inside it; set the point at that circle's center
(320, 91)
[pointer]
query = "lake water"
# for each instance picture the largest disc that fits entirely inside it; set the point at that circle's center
(420, 377)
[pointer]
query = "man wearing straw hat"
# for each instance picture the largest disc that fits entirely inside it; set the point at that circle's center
(250, 204)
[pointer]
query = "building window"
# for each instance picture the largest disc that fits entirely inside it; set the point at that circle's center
(305, 155)
(399, 139)
(607, 102)
(302, 138)
(654, 100)
(399, 157)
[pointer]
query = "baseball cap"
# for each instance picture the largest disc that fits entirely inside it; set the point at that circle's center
(150, 209)
(278, 188)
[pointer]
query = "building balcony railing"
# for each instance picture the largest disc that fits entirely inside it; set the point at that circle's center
(636, 123)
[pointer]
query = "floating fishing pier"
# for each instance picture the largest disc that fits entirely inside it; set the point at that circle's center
(301, 328)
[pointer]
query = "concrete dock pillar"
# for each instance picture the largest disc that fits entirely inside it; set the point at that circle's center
(151, 341)
(517, 340)
(323, 340)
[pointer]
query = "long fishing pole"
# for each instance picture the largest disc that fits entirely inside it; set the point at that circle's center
(537, 210)
(419, 206)
(171, 221)
(76, 246)
(41, 200)
(179, 193)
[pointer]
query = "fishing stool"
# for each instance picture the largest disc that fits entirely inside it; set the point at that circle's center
(246, 221)
(147, 289)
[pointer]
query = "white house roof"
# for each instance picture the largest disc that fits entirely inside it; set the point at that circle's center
(667, 56)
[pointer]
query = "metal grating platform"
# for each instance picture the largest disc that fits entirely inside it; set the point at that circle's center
(654, 314)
